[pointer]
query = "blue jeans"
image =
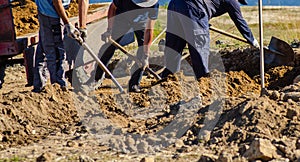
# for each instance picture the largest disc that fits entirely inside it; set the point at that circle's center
(50, 52)
(187, 24)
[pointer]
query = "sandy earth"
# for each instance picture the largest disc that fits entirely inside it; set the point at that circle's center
(219, 118)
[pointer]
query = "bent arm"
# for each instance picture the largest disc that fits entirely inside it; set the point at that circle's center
(60, 10)
(237, 17)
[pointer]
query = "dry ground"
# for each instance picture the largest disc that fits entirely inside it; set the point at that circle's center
(233, 121)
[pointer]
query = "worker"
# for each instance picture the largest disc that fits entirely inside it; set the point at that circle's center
(126, 15)
(51, 16)
(188, 23)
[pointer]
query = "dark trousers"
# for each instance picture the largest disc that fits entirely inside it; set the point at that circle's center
(50, 52)
(120, 29)
(187, 25)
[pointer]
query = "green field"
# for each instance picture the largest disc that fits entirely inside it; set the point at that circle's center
(281, 22)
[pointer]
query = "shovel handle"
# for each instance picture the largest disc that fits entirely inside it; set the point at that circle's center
(132, 57)
(228, 34)
(100, 64)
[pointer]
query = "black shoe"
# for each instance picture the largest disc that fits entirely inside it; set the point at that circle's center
(135, 88)
(37, 90)
(165, 73)
(207, 75)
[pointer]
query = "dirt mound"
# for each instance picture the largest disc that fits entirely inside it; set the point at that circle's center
(26, 116)
(229, 115)
(242, 116)
(25, 15)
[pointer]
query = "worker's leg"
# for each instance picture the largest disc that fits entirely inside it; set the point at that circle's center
(39, 80)
(60, 54)
(107, 50)
(136, 77)
(51, 36)
(196, 31)
(174, 41)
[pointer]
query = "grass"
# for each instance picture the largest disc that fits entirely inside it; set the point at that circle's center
(14, 159)
(281, 22)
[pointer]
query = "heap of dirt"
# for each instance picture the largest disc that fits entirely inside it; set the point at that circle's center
(25, 15)
(27, 117)
(242, 119)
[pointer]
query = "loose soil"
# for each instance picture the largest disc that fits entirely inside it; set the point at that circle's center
(63, 126)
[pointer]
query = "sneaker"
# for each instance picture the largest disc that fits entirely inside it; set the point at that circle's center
(135, 88)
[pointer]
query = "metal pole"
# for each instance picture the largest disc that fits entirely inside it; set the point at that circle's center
(261, 39)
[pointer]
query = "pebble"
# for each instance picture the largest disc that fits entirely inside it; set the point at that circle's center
(147, 159)
(298, 144)
(45, 157)
(71, 144)
(84, 158)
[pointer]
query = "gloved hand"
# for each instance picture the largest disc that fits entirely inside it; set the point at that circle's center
(83, 33)
(145, 61)
(255, 43)
(106, 35)
(72, 31)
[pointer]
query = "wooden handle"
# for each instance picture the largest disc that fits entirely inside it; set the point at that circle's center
(228, 34)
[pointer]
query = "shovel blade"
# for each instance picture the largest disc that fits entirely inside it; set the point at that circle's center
(278, 53)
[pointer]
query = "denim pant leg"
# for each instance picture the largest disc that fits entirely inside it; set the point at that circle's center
(197, 36)
(39, 76)
(52, 45)
(190, 23)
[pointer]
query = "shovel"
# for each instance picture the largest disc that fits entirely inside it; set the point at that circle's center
(277, 53)
(132, 57)
(102, 66)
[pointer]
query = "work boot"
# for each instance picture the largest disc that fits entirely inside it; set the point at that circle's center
(135, 88)
(207, 75)
(38, 90)
(134, 81)
(165, 73)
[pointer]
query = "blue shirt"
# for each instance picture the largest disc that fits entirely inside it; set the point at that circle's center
(139, 14)
(47, 8)
(216, 8)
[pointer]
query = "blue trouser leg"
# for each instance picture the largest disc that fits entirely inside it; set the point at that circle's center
(50, 47)
(189, 25)
(39, 79)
